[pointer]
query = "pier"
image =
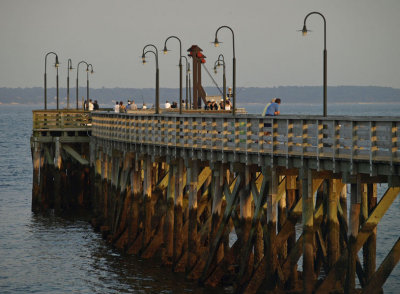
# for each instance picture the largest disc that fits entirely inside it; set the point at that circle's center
(229, 199)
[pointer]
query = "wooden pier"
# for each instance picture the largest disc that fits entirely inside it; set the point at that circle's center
(229, 200)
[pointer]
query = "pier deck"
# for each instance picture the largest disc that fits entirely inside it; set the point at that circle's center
(177, 186)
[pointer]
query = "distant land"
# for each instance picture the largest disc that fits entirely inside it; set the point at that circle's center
(289, 94)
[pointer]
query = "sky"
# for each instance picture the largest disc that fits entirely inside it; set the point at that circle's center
(363, 41)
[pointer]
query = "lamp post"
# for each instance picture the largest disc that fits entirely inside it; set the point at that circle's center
(157, 73)
(221, 61)
(57, 64)
(87, 83)
(216, 43)
(305, 31)
(77, 81)
(70, 68)
(187, 79)
(180, 68)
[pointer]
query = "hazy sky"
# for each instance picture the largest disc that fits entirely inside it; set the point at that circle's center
(363, 40)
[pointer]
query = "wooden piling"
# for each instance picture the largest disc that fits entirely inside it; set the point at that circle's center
(147, 193)
(169, 221)
(192, 174)
(333, 222)
(308, 232)
(270, 253)
(291, 241)
(369, 249)
(353, 232)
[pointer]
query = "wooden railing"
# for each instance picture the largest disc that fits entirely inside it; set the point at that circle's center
(61, 120)
(369, 139)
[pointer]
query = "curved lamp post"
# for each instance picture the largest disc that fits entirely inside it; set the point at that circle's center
(305, 31)
(157, 73)
(187, 79)
(77, 81)
(180, 68)
(87, 83)
(216, 43)
(221, 61)
(70, 68)
(56, 64)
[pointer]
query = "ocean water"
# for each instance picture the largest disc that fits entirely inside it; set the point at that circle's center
(50, 254)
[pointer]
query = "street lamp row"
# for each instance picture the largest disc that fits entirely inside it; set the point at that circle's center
(70, 68)
(221, 61)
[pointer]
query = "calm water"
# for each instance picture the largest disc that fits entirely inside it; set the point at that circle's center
(49, 254)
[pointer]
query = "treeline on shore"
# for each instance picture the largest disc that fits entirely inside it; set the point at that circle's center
(291, 94)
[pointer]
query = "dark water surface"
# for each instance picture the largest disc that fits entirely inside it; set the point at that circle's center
(50, 254)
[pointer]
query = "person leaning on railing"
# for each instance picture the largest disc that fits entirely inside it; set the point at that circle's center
(271, 109)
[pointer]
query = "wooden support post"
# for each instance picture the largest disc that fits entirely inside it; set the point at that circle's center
(192, 174)
(282, 216)
(291, 241)
(36, 160)
(57, 174)
(147, 189)
(270, 253)
(216, 205)
(333, 222)
(245, 218)
(379, 277)
(231, 203)
(245, 206)
(136, 183)
(353, 230)
(308, 232)
(343, 206)
(178, 217)
(169, 222)
(369, 249)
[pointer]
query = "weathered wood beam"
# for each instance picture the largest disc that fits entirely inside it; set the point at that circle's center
(379, 277)
(231, 202)
(75, 155)
(376, 215)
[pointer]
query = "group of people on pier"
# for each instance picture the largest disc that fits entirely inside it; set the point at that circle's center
(92, 105)
(119, 107)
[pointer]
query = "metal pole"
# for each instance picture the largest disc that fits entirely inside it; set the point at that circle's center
(180, 87)
(234, 87)
(87, 89)
(45, 91)
(187, 107)
(190, 94)
(57, 90)
(157, 91)
(325, 83)
(304, 30)
(224, 83)
(68, 90)
(77, 91)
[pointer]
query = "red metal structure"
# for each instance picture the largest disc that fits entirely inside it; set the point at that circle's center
(198, 92)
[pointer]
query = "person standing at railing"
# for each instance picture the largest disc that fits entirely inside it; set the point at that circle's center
(122, 108)
(91, 106)
(116, 107)
(96, 105)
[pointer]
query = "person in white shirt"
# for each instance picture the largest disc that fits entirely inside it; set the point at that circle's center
(167, 105)
(116, 107)
(91, 106)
